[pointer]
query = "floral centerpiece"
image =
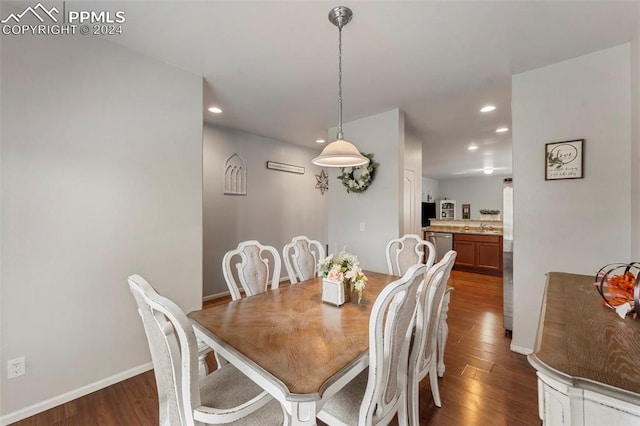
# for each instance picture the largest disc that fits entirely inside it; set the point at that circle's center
(344, 267)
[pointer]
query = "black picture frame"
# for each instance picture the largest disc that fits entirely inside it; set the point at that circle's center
(564, 160)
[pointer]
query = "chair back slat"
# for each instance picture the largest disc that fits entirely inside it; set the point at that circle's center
(301, 257)
(406, 251)
(253, 270)
(173, 346)
(423, 357)
(390, 328)
(429, 309)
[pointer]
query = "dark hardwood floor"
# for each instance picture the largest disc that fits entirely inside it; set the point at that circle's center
(484, 383)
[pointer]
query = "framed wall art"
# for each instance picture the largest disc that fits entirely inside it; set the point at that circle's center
(564, 160)
(466, 211)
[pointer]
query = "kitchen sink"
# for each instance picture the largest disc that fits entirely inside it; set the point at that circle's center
(477, 231)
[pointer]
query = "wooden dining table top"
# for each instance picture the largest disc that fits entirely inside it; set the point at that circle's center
(290, 333)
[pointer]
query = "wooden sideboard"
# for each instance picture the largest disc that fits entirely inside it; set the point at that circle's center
(587, 358)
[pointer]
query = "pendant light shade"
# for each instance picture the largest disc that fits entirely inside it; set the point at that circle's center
(340, 153)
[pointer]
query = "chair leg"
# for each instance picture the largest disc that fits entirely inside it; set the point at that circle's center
(413, 402)
(287, 419)
(221, 362)
(402, 412)
(203, 350)
(443, 331)
(433, 379)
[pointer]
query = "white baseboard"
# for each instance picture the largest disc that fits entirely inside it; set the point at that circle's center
(226, 293)
(215, 296)
(71, 395)
(520, 349)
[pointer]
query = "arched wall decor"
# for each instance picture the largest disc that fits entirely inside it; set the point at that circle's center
(235, 176)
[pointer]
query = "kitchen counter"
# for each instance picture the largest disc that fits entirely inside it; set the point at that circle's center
(457, 230)
(466, 226)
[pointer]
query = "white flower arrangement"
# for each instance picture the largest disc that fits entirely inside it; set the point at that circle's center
(344, 267)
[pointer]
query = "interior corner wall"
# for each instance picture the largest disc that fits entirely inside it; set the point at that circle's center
(635, 143)
(101, 167)
(481, 192)
(365, 222)
(2, 361)
(278, 205)
(575, 225)
(430, 188)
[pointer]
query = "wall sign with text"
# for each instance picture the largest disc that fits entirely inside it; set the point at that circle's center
(285, 167)
(564, 160)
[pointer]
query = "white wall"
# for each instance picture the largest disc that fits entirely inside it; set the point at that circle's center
(101, 178)
(277, 207)
(482, 192)
(379, 207)
(430, 187)
(635, 147)
(569, 225)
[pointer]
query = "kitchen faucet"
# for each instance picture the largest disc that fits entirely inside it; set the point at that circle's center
(481, 226)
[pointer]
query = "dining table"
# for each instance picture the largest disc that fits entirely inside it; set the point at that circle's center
(299, 349)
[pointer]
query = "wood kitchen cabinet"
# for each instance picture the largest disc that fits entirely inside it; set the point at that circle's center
(478, 253)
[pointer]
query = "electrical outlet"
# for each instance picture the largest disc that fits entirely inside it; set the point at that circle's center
(15, 367)
(362, 226)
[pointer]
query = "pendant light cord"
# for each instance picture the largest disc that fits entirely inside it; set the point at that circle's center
(340, 153)
(340, 134)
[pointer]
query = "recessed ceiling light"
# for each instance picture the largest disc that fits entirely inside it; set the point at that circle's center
(487, 108)
(320, 141)
(488, 171)
(472, 147)
(502, 129)
(215, 110)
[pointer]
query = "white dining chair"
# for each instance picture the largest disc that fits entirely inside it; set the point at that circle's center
(377, 394)
(406, 251)
(252, 268)
(224, 396)
(423, 358)
(301, 257)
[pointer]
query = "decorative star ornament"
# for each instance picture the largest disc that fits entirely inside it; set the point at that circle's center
(322, 182)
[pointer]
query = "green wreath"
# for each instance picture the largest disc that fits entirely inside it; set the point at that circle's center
(363, 180)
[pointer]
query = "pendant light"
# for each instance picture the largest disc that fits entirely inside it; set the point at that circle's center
(340, 153)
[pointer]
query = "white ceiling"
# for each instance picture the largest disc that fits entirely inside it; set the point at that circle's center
(272, 65)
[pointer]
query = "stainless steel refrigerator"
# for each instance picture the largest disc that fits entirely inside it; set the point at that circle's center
(507, 254)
